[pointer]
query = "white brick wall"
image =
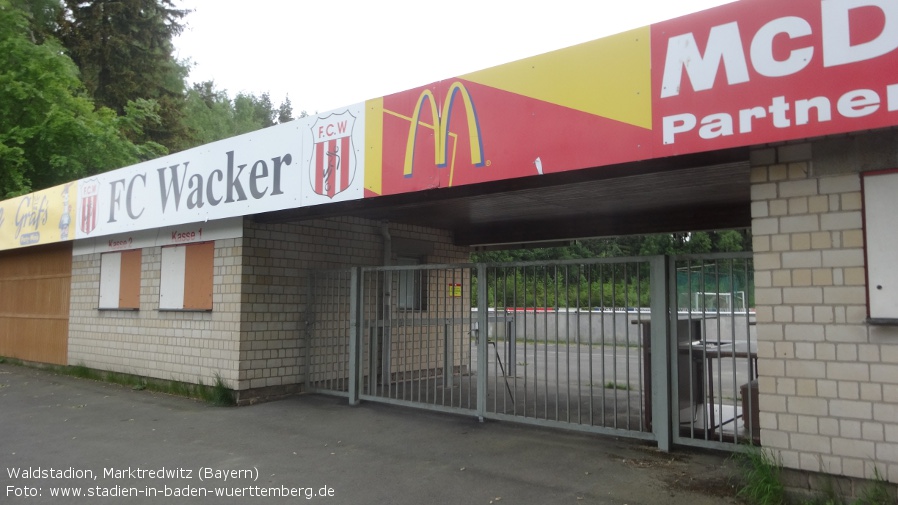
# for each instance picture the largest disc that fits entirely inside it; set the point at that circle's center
(829, 383)
(277, 259)
(181, 346)
(253, 337)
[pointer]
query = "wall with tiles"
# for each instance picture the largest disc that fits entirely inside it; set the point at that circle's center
(277, 261)
(828, 381)
(254, 337)
(188, 347)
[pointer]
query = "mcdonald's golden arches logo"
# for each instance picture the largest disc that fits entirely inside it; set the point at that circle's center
(441, 123)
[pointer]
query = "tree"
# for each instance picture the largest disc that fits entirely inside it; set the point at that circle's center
(124, 50)
(50, 131)
(43, 16)
(285, 111)
(632, 245)
(732, 241)
(211, 115)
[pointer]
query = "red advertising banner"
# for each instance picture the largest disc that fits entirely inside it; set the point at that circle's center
(760, 71)
(747, 73)
(585, 106)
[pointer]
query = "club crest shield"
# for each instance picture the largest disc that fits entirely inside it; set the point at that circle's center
(87, 212)
(333, 164)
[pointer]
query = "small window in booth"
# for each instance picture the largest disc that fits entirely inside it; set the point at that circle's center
(186, 282)
(412, 292)
(120, 280)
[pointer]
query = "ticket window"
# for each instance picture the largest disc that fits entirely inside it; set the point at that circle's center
(120, 280)
(187, 273)
(412, 285)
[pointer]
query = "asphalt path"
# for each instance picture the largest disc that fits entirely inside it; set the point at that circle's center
(67, 435)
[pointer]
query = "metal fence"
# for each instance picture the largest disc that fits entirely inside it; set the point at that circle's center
(716, 388)
(328, 313)
(415, 336)
(561, 349)
(654, 348)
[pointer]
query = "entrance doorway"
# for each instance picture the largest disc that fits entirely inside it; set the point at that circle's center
(656, 348)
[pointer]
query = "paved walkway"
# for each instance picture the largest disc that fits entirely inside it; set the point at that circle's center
(61, 434)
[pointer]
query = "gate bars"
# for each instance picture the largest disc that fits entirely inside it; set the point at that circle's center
(415, 333)
(716, 384)
(563, 344)
(652, 348)
(330, 304)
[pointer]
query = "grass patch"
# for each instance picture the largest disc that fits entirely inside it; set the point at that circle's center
(762, 484)
(877, 492)
(80, 371)
(217, 394)
(617, 385)
(762, 478)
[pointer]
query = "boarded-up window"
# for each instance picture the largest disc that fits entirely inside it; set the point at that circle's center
(120, 280)
(186, 282)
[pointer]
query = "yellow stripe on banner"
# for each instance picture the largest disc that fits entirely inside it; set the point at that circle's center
(610, 77)
(374, 145)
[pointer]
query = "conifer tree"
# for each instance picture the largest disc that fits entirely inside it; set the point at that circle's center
(124, 50)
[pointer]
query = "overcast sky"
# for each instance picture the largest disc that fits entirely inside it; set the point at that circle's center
(326, 55)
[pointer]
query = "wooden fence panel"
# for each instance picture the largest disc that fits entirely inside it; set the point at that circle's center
(35, 287)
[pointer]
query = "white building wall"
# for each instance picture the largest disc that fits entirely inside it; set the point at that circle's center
(182, 346)
(828, 381)
(254, 336)
(276, 263)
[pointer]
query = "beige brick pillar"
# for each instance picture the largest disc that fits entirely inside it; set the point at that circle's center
(828, 383)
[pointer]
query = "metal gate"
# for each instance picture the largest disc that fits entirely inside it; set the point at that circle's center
(328, 310)
(715, 387)
(654, 348)
(564, 346)
(415, 335)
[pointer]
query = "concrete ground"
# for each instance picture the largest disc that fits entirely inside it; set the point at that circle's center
(61, 434)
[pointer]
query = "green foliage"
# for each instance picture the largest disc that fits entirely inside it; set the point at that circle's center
(610, 286)
(218, 394)
(762, 484)
(617, 385)
(634, 245)
(252, 113)
(124, 51)
(574, 286)
(139, 114)
(42, 15)
(211, 114)
(877, 492)
(731, 241)
(118, 100)
(50, 132)
(82, 372)
(285, 111)
(735, 278)
(762, 478)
